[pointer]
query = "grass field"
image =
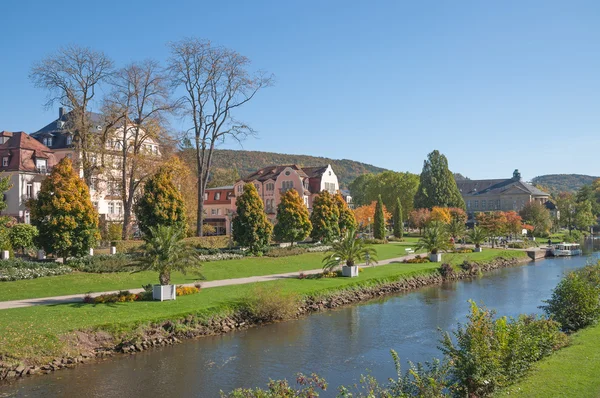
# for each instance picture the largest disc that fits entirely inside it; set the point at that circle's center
(571, 372)
(34, 333)
(77, 282)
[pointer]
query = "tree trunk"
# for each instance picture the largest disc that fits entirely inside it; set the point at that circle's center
(200, 214)
(165, 278)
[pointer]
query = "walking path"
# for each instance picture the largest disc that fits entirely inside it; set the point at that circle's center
(78, 298)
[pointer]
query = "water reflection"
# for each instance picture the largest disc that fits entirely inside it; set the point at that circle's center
(339, 345)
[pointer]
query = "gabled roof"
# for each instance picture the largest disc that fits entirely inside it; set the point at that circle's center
(313, 172)
(59, 133)
(272, 172)
(498, 186)
(22, 150)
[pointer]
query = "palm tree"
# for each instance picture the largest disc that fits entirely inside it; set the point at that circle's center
(351, 250)
(434, 239)
(456, 228)
(165, 251)
(476, 236)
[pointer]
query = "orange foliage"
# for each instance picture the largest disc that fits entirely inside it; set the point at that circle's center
(441, 214)
(364, 213)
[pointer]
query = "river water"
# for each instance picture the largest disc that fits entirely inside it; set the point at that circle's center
(339, 345)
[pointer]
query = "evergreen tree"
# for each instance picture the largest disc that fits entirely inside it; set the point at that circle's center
(251, 227)
(437, 186)
(398, 220)
(63, 213)
(325, 218)
(379, 221)
(161, 203)
(347, 220)
(293, 220)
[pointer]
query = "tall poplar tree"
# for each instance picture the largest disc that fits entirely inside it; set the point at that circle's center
(63, 213)
(161, 203)
(251, 227)
(293, 220)
(347, 220)
(325, 218)
(398, 220)
(437, 186)
(379, 221)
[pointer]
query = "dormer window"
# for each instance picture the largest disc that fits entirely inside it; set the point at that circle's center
(48, 141)
(5, 161)
(41, 165)
(69, 139)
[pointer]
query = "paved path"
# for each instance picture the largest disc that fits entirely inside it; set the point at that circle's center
(78, 298)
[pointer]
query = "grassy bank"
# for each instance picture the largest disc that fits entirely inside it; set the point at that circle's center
(79, 283)
(38, 333)
(570, 372)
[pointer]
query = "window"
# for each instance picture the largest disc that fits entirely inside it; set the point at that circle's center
(217, 195)
(69, 139)
(240, 188)
(94, 184)
(29, 192)
(5, 161)
(483, 204)
(213, 212)
(476, 204)
(468, 204)
(155, 149)
(48, 141)
(285, 185)
(205, 195)
(257, 186)
(111, 208)
(118, 208)
(270, 186)
(41, 165)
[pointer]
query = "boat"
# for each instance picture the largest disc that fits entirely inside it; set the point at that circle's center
(566, 249)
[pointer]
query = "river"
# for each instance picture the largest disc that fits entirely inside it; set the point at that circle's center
(339, 345)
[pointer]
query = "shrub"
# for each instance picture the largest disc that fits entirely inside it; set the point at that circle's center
(375, 241)
(22, 236)
(447, 271)
(129, 246)
(284, 251)
(18, 273)
(207, 242)
(103, 263)
(186, 290)
(219, 257)
(268, 304)
(471, 267)
(121, 297)
(319, 249)
(462, 251)
(395, 239)
(331, 274)
(574, 236)
(417, 260)
(18, 263)
(308, 388)
(575, 301)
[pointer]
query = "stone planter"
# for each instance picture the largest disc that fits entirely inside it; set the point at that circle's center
(113, 250)
(350, 272)
(435, 258)
(41, 255)
(164, 292)
(478, 250)
(91, 252)
(5, 255)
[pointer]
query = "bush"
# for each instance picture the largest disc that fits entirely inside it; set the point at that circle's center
(284, 251)
(319, 249)
(186, 290)
(121, 297)
(18, 263)
(375, 241)
(22, 236)
(129, 246)
(19, 273)
(471, 267)
(417, 260)
(574, 237)
(308, 388)
(219, 257)
(208, 242)
(268, 304)
(394, 239)
(103, 263)
(462, 251)
(575, 301)
(447, 271)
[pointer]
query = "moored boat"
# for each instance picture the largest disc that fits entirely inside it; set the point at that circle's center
(566, 249)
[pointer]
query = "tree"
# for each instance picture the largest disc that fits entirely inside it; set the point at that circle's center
(72, 77)
(390, 185)
(588, 192)
(23, 236)
(398, 220)
(138, 106)
(365, 215)
(63, 213)
(456, 228)
(584, 218)
(325, 218)
(565, 202)
(476, 236)
(437, 186)
(536, 214)
(161, 203)
(379, 221)
(350, 250)
(165, 251)
(514, 222)
(185, 181)
(216, 82)
(360, 189)
(434, 239)
(458, 214)
(293, 220)
(347, 220)
(251, 227)
(223, 177)
(441, 214)
(493, 223)
(419, 218)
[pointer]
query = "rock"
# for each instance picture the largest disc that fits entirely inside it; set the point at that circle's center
(20, 369)
(33, 371)
(125, 350)
(139, 347)
(12, 374)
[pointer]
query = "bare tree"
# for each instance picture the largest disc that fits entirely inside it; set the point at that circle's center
(138, 106)
(72, 76)
(216, 81)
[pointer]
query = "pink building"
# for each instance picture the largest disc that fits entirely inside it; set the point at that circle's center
(218, 209)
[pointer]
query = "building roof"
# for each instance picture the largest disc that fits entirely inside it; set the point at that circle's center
(225, 188)
(22, 151)
(272, 172)
(497, 186)
(58, 129)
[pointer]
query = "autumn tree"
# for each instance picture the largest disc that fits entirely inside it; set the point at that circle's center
(185, 182)
(325, 218)
(347, 221)
(72, 77)
(63, 213)
(419, 218)
(536, 214)
(293, 220)
(251, 227)
(216, 82)
(365, 215)
(161, 203)
(493, 223)
(379, 221)
(514, 222)
(398, 220)
(458, 214)
(441, 214)
(437, 186)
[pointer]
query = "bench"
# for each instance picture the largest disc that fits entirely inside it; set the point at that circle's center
(409, 250)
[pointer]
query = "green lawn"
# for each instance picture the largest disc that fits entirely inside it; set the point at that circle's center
(573, 371)
(34, 332)
(76, 283)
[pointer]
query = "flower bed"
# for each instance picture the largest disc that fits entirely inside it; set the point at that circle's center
(417, 260)
(186, 290)
(121, 297)
(462, 251)
(319, 249)
(219, 257)
(16, 274)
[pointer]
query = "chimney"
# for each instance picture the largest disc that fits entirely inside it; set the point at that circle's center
(61, 112)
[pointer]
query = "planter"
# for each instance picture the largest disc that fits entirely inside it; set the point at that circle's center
(164, 292)
(350, 272)
(91, 252)
(41, 255)
(435, 258)
(5, 255)
(477, 250)
(113, 250)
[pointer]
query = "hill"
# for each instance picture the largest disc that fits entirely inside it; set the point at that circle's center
(563, 182)
(247, 162)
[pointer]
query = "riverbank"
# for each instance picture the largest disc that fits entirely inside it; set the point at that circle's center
(48, 338)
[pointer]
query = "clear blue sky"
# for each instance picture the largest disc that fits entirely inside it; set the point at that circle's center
(493, 85)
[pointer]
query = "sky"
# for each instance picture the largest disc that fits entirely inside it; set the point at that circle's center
(495, 86)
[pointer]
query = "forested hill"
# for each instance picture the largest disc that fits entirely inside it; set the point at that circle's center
(247, 162)
(563, 182)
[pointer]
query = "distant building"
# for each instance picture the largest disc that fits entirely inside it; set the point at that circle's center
(27, 162)
(500, 194)
(218, 209)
